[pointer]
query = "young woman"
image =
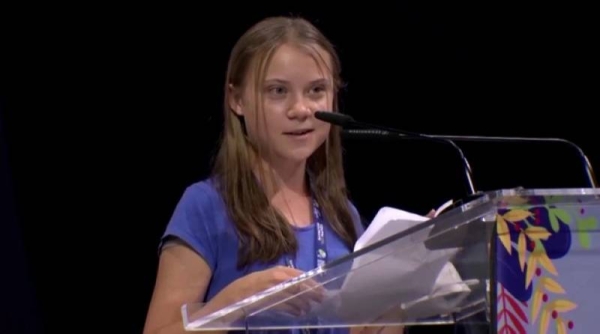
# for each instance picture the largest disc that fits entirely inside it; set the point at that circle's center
(277, 180)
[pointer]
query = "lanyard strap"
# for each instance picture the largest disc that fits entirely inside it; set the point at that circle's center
(320, 245)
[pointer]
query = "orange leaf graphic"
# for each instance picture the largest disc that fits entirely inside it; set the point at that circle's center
(535, 306)
(537, 233)
(561, 305)
(502, 230)
(516, 215)
(521, 250)
(546, 263)
(551, 285)
(544, 320)
(531, 263)
(560, 326)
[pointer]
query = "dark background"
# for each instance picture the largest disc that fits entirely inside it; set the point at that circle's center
(108, 113)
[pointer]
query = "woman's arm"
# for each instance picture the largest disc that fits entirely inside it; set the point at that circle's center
(182, 277)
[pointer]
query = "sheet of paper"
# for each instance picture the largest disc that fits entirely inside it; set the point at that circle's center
(404, 271)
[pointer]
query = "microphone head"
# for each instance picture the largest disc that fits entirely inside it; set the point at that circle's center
(333, 118)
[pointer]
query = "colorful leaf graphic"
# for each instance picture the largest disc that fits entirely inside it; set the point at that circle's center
(537, 243)
(517, 308)
(561, 305)
(562, 214)
(517, 324)
(554, 223)
(551, 285)
(512, 319)
(584, 239)
(561, 328)
(587, 224)
(521, 248)
(584, 225)
(537, 303)
(555, 214)
(502, 230)
(544, 320)
(537, 233)
(531, 263)
(546, 263)
(516, 215)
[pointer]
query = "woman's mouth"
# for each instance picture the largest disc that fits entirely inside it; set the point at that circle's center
(301, 132)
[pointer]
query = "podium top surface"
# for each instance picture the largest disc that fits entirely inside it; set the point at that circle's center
(518, 196)
(432, 271)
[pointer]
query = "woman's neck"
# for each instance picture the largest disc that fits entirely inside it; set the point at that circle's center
(285, 178)
(288, 191)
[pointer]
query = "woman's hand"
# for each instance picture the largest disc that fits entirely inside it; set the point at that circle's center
(390, 316)
(258, 281)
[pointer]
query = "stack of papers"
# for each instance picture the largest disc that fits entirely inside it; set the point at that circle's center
(403, 273)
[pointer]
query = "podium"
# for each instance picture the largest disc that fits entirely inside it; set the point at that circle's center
(518, 261)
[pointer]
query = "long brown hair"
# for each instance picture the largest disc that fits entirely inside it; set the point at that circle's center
(264, 234)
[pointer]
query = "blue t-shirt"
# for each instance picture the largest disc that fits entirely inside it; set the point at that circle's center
(200, 219)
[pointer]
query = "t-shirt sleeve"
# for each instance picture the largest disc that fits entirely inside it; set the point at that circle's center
(191, 224)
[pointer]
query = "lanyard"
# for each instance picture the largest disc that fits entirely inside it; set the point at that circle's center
(320, 245)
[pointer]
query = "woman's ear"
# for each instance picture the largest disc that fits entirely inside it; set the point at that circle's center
(235, 100)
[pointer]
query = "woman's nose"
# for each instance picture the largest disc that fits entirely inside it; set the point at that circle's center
(300, 109)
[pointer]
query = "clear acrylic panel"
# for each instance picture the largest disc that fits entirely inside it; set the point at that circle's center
(470, 260)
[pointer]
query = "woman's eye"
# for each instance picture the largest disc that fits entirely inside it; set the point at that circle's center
(319, 89)
(277, 90)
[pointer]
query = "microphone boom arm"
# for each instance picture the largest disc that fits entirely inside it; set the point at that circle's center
(371, 129)
(451, 138)
(588, 166)
(466, 166)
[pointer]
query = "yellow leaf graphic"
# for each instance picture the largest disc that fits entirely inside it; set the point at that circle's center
(535, 306)
(521, 250)
(560, 326)
(544, 320)
(547, 263)
(537, 233)
(531, 263)
(551, 285)
(562, 305)
(516, 215)
(502, 230)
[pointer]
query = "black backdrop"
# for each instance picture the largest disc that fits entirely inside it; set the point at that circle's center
(108, 113)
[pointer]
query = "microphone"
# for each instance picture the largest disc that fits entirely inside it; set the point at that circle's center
(345, 120)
